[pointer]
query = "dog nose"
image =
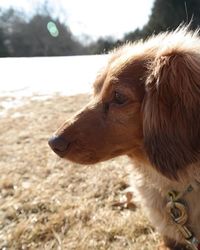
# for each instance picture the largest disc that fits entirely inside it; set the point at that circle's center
(59, 145)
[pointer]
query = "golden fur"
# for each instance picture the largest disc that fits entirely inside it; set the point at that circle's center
(146, 105)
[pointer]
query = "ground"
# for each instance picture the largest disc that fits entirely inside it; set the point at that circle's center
(49, 203)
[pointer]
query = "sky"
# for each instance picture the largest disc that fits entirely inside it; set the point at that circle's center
(94, 18)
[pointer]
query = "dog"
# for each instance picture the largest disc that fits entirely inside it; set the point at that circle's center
(146, 105)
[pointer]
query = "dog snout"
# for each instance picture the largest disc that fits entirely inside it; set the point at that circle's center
(59, 145)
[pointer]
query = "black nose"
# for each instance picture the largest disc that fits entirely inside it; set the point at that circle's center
(59, 145)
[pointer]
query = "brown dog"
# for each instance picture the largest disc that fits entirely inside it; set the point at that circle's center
(146, 105)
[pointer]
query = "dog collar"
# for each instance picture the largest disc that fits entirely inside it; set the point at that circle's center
(177, 210)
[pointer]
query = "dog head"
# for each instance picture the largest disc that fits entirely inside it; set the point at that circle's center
(111, 124)
(146, 104)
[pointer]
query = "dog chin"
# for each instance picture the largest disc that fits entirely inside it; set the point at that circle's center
(83, 160)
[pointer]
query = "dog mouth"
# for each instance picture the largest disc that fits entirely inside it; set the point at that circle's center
(81, 156)
(59, 153)
(74, 151)
(82, 151)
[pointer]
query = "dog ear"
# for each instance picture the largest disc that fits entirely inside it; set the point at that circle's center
(171, 113)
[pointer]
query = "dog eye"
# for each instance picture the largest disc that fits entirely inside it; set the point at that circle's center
(119, 98)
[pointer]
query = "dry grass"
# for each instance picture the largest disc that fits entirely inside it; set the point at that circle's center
(48, 203)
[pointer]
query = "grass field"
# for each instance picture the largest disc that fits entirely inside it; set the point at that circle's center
(49, 203)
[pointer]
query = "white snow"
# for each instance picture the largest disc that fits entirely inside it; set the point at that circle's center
(42, 77)
(47, 75)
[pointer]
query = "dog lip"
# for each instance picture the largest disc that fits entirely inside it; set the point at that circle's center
(61, 154)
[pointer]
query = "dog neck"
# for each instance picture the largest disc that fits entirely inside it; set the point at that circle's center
(151, 191)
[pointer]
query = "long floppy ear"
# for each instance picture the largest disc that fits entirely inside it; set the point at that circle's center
(171, 112)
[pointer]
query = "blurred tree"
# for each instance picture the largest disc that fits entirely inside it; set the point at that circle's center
(3, 48)
(135, 35)
(42, 35)
(4, 33)
(168, 15)
(102, 45)
(34, 38)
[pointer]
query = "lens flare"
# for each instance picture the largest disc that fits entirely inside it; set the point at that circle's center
(52, 28)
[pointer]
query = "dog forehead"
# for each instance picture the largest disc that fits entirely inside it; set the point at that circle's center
(116, 66)
(99, 81)
(103, 77)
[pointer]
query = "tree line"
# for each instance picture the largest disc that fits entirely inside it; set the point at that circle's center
(44, 35)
